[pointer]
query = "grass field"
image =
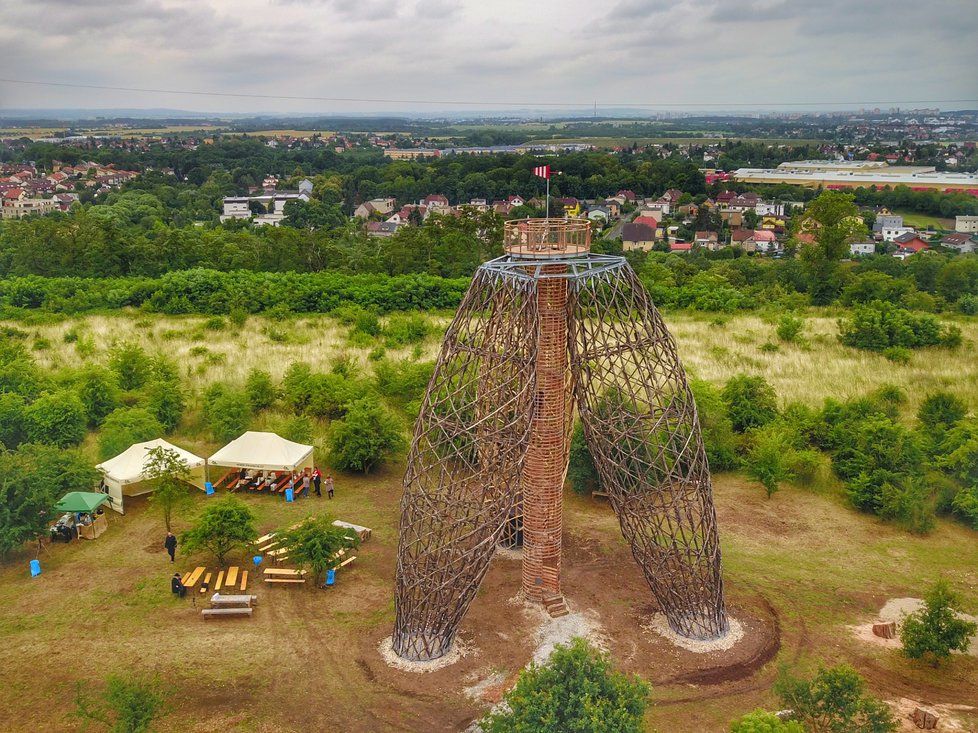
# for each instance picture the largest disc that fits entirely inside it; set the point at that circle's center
(922, 221)
(799, 568)
(712, 348)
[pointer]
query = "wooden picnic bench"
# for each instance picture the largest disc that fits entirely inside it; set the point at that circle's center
(284, 572)
(244, 580)
(206, 584)
(216, 612)
(232, 576)
(284, 580)
(346, 562)
(190, 579)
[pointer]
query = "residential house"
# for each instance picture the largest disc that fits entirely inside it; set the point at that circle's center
(436, 203)
(382, 228)
(680, 246)
(765, 241)
(15, 208)
(769, 208)
(648, 220)
(612, 205)
(891, 234)
(861, 249)
(572, 207)
(910, 243)
(381, 206)
(515, 201)
(774, 222)
(961, 241)
(637, 236)
(599, 213)
(967, 224)
(271, 205)
(627, 194)
(707, 240)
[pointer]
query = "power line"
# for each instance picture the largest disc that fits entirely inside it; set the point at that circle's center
(375, 100)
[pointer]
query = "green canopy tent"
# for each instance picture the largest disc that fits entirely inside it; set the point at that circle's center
(85, 502)
(81, 501)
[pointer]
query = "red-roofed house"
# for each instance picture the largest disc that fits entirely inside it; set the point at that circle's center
(680, 246)
(910, 243)
(627, 194)
(647, 220)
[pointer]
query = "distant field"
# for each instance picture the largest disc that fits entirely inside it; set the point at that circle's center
(36, 132)
(610, 142)
(31, 132)
(292, 133)
(921, 221)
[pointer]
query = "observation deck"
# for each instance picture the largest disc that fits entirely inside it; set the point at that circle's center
(547, 238)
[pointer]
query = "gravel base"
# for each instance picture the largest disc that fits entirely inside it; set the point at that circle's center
(459, 649)
(659, 625)
(507, 553)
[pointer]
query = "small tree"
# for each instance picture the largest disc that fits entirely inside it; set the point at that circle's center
(576, 691)
(228, 414)
(129, 704)
(221, 527)
(56, 419)
(790, 327)
(761, 721)
(316, 542)
(132, 364)
(12, 419)
(934, 631)
(769, 458)
(941, 411)
(834, 702)
(124, 427)
(260, 390)
(164, 398)
(365, 437)
(170, 474)
(751, 402)
(99, 393)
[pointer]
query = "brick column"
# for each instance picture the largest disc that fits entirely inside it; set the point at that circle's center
(543, 472)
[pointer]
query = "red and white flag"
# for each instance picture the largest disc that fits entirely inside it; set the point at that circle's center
(542, 170)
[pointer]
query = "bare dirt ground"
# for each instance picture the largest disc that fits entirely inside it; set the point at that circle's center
(799, 568)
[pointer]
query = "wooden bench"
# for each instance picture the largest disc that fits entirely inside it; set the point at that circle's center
(214, 612)
(284, 572)
(232, 576)
(244, 580)
(206, 584)
(219, 600)
(346, 562)
(264, 538)
(190, 579)
(220, 581)
(285, 580)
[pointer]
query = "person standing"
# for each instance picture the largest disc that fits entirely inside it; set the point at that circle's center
(317, 480)
(329, 486)
(305, 485)
(170, 543)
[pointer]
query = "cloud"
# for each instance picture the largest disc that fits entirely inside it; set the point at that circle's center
(670, 51)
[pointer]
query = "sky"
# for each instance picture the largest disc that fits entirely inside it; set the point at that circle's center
(682, 54)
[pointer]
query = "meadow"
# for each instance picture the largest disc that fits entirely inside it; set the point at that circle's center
(800, 567)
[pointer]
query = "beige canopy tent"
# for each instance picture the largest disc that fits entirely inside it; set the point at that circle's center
(125, 475)
(263, 452)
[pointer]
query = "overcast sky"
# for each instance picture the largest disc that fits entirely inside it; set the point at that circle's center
(670, 52)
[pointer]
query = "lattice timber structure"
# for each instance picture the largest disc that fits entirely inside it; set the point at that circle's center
(547, 326)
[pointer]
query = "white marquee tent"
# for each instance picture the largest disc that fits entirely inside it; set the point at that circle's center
(125, 474)
(263, 452)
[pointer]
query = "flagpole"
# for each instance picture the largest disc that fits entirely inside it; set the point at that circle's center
(548, 194)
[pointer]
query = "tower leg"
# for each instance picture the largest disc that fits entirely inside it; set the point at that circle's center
(642, 430)
(466, 458)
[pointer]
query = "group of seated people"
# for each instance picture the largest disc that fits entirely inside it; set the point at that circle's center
(66, 528)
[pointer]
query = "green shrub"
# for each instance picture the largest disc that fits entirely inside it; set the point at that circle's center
(968, 304)
(56, 418)
(879, 325)
(790, 327)
(761, 721)
(224, 525)
(298, 429)
(834, 701)
(405, 328)
(934, 631)
(294, 388)
(13, 420)
(716, 427)
(769, 457)
(260, 389)
(99, 392)
(366, 436)
(124, 427)
(581, 472)
(129, 704)
(941, 411)
(750, 401)
(575, 691)
(215, 323)
(403, 381)
(131, 364)
(897, 354)
(165, 401)
(329, 395)
(227, 412)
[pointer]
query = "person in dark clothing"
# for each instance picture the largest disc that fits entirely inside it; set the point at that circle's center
(177, 586)
(317, 480)
(170, 543)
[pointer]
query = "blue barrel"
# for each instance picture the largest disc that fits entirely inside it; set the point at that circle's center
(289, 496)
(35, 568)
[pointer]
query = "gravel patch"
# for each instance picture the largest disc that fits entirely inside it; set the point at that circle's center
(897, 609)
(459, 649)
(659, 625)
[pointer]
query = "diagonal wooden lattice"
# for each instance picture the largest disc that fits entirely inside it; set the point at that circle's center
(528, 338)
(642, 429)
(464, 468)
